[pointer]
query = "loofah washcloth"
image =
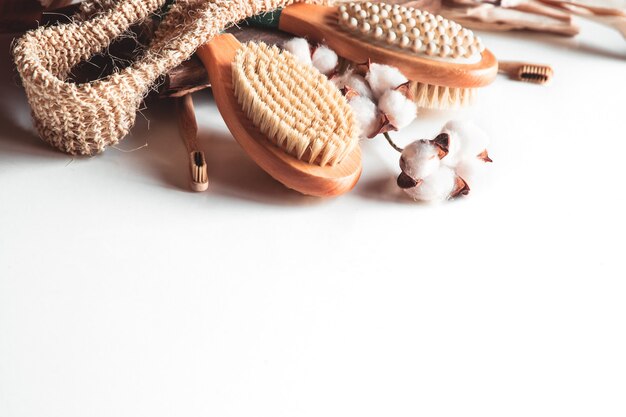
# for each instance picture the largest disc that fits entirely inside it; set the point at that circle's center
(85, 118)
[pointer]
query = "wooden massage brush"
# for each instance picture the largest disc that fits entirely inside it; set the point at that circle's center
(444, 61)
(289, 118)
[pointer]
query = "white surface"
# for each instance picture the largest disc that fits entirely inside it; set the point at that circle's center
(123, 294)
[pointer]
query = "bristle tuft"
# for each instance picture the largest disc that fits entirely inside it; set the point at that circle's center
(199, 174)
(439, 97)
(538, 74)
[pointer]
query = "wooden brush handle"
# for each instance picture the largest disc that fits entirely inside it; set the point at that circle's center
(187, 123)
(615, 18)
(511, 67)
(319, 24)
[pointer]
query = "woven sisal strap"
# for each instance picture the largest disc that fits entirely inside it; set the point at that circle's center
(86, 118)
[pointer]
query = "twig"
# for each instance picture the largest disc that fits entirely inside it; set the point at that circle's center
(392, 143)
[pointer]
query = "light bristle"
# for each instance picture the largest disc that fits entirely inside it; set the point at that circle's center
(199, 174)
(293, 105)
(439, 97)
(535, 74)
(388, 24)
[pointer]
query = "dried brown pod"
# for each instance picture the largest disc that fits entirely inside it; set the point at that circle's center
(362, 68)
(406, 90)
(484, 156)
(404, 181)
(460, 188)
(442, 143)
(384, 126)
(349, 92)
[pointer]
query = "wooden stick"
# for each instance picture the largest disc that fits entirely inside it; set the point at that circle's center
(192, 76)
(614, 18)
(188, 127)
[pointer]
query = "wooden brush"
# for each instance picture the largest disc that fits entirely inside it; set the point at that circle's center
(444, 61)
(603, 14)
(189, 132)
(523, 71)
(291, 120)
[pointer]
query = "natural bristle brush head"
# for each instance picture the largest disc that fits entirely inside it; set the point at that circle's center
(293, 105)
(288, 117)
(528, 72)
(538, 74)
(199, 174)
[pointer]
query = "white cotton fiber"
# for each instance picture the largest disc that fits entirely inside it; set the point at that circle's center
(399, 110)
(325, 59)
(436, 187)
(467, 141)
(299, 47)
(383, 77)
(367, 115)
(355, 82)
(420, 159)
(472, 170)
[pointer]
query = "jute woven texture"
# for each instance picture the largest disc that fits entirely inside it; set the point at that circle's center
(83, 119)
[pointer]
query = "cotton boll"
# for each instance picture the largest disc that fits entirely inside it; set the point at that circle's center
(472, 170)
(420, 159)
(454, 155)
(358, 84)
(325, 59)
(299, 47)
(439, 186)
(367, 115)
(467, 141)
(383, 77)
(355, 82)
(399, 110)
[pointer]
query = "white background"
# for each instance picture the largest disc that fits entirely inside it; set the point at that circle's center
(124, 294)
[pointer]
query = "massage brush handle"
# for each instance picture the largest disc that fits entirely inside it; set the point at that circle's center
(319, 24)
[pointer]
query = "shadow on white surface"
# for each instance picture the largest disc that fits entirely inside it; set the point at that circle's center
(231, 172)
(383, 188)
(234, 174)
